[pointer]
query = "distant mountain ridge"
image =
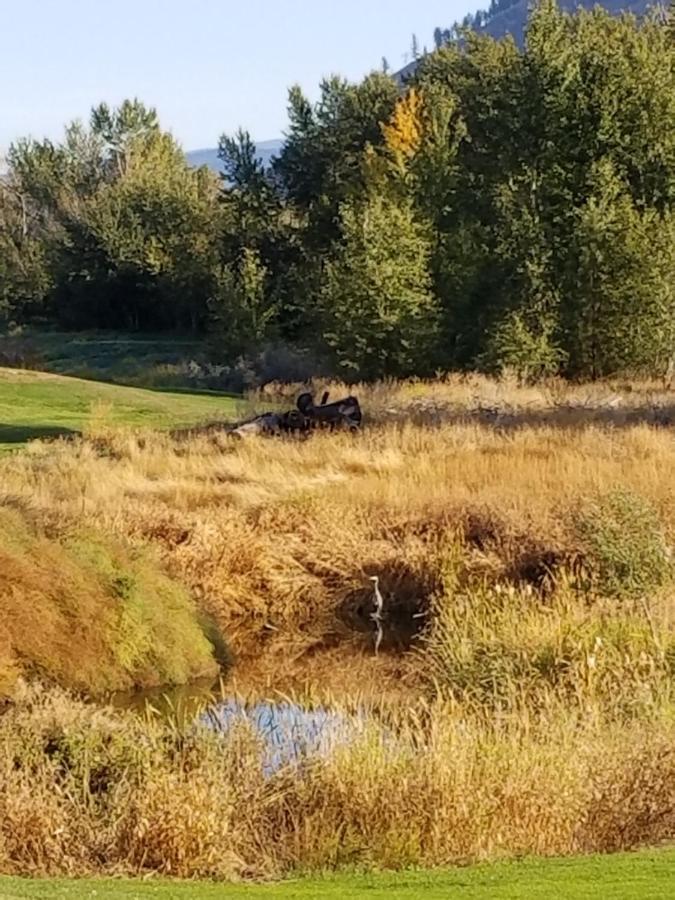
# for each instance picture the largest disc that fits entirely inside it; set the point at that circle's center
(209, 156)
(512, 20)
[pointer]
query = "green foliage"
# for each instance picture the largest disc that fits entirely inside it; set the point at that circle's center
(320, 165)
(24, 277)
(525, 213)
(584, 112)
(524, 338)
(624, 545)
(127, 229)
(527, 350)
(378, 308)
(241, 312)
(621, 309)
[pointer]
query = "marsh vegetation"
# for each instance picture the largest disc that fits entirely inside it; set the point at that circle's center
(521, 700)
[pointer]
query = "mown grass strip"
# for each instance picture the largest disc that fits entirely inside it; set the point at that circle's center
(629, 876)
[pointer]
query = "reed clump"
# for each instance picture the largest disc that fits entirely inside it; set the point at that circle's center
(95, 791)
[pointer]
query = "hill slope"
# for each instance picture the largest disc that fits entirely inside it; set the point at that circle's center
(514, 19)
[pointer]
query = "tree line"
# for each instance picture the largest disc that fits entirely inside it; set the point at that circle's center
(506, 209)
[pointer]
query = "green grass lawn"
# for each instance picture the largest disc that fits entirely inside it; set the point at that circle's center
(646, 875)
(37, 405)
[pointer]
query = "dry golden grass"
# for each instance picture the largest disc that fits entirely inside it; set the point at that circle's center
(90, 791)
(531, 710)
(276, 538)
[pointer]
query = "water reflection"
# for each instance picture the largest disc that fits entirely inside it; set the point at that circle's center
(183, 702)
(289, 733)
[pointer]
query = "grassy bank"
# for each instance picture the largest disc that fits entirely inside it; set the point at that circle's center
(620, 877)
(36, 405)
(90, 612)
(521, 701)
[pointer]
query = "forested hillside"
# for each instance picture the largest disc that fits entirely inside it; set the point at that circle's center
(510, 208)
(510, 17)
(504, 17)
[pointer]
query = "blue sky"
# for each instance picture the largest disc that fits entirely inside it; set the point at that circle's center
(207, 65)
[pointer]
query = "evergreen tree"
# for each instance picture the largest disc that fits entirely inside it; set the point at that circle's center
(120, 128)
(242, 167)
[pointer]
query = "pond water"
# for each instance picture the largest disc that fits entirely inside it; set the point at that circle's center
(288, 731)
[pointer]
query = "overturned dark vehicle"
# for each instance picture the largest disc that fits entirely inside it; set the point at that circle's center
(341, 415)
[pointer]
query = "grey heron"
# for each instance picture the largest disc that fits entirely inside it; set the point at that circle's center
(377, 614)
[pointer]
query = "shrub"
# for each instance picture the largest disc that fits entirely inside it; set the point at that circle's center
(515, 346)
(624, 545)
(506, 648)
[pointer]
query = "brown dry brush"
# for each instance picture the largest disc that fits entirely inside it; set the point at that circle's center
(522, 700)
(86, 791)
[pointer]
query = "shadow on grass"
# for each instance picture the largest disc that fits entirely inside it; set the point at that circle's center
(563, 417)
(19, 434)
(183, 389)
